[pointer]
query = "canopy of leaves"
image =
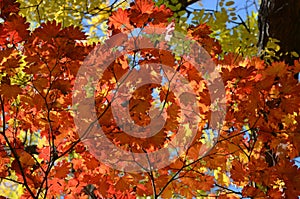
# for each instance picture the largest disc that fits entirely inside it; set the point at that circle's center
(88, 14)
(43, 156)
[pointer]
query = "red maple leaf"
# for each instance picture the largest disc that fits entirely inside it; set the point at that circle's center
(120, 20)
(13, 30)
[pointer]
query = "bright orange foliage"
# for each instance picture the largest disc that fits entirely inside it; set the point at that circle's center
(39, 140)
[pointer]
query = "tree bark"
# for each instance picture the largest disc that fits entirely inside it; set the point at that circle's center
(280, 19)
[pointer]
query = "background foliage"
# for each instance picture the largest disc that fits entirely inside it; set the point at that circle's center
(43, 45)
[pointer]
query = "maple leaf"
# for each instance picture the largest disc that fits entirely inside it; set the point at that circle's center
(275, 193)
(8, 7)
(140, 12)
(3, 165)
(238, 172)
(92, 163)
(62, 170)
(47, 31)
(277, 69)
(262, 101)
(142, 6)
(160, 14)
(120, 20)
(250, 191)
(25, 159)
(72, 33)
(290, 174)
(63, 85)
(123, 183)
(10, 91)
(13, 30)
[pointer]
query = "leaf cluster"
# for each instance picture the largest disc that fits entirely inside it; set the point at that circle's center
(43, 156)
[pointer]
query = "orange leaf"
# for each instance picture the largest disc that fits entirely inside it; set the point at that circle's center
(120, 20)
(62, 170)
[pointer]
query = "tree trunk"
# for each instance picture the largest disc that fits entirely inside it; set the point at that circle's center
(280, 19)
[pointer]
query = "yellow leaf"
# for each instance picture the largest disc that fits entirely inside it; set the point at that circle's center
(294, 54)
(289, 119)
(229, 3)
